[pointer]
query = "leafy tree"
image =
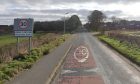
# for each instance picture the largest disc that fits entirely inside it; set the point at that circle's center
(73, 23)
(96, 18)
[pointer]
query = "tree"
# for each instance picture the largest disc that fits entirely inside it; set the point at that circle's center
(96, 18)
(73, 23)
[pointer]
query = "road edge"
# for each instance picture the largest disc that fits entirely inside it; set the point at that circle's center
(120, 55)
(54, 72)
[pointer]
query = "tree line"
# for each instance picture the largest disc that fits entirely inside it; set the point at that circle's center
(98, 21)
(71, 23)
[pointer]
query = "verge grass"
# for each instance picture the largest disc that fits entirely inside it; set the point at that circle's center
(130, 51)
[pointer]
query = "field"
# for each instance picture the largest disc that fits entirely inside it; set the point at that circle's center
(131, 33)
(11, 39)
(8, 39)
(131, 37)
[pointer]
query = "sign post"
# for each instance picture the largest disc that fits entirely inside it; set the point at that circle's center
(23, 28)
(30, 44)
(17, 44)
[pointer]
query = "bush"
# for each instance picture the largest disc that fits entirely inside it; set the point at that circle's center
(3, 76)
(36, 52)
(10, 71)
(45, 49)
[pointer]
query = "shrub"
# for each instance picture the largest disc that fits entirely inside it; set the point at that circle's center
(10, 71)
(3, 76)
(36, 52)
(45, 49)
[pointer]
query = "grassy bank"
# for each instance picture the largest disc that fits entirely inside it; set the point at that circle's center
(132, 52)
(25, 61)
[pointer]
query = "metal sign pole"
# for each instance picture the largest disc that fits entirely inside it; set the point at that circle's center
(17, 45)
(30, 45)
(64, 24)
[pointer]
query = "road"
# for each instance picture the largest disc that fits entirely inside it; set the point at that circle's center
(103, 66)
(88, 62)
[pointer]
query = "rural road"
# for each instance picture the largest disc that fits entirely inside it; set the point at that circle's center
(103, 66)
(88, 62)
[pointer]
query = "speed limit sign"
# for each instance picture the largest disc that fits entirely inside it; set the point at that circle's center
(23, 27)
(23, 24)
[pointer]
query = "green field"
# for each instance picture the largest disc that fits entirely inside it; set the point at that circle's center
(8, 39)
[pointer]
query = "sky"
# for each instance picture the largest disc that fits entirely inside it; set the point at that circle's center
(48, 10)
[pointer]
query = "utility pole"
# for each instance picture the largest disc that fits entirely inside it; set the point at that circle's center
(65, 22)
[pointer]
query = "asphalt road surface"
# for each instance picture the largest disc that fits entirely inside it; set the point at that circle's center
(88, 62)
(102, 66)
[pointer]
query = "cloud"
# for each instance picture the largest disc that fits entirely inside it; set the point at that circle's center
(70, 1)
(45, 14)
(115, 1)
(80, 1)
(55, 9)
(113, 13)
(34, 2)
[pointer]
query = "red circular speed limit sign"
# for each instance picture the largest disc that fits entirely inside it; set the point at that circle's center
(81, 54)
(23, 24)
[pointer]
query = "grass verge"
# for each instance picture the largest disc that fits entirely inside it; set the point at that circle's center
(10, 69)
(131, 52)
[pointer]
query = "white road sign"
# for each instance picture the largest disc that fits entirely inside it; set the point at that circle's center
(23, 33)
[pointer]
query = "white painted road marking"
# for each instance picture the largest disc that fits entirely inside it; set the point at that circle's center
(81, 54)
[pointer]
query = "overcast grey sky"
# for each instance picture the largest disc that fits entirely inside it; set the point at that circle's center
(42, 10)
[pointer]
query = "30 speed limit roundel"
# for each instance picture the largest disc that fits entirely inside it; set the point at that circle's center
(81, 54)
(23, 24)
